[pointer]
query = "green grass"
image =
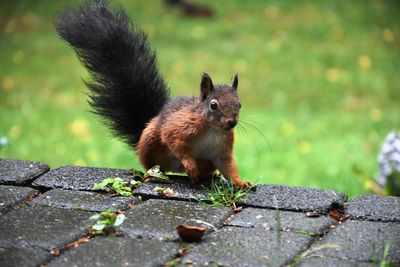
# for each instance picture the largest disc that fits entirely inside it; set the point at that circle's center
(224, 193)
(319, 79)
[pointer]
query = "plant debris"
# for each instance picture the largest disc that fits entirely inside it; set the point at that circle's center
(116, 186)
(122, 188)
(162, 191)
(78, 242)
(155, 172)
(338, 216)
(313, 214)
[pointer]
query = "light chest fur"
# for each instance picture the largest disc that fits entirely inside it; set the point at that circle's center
(209, 145)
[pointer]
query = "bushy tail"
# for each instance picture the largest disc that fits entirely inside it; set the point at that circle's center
(127, 90)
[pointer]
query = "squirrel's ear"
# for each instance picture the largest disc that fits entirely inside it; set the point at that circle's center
(206, 86)
(235, 82)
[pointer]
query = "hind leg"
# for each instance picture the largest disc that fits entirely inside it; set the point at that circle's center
(152, 151)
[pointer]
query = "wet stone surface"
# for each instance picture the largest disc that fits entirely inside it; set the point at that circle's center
(13, 195)
(158, 218)
(294, 198)
(82, 200)
(312, 261)
(118, 251)
(42, 227)
(286, 220)
(363, 241)
(232, 246)
(22, 256)
(19, 172)
(79, 178)
(375, 208)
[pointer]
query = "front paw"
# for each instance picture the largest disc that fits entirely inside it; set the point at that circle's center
(244, 184)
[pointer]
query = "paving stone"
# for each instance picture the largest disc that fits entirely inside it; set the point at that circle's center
(82, 200)
(43, 227)
(11, 195)
(234, 246)
(332, 262)
(22, 256)
(294, 198)
(118, 251)
(79, 178)
(294, 221)
(363, 241)
(158, 218)
(20, 171)
(375, 208)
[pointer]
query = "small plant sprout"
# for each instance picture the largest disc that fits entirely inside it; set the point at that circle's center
(226, 194)
(384, 262)
(106, 222)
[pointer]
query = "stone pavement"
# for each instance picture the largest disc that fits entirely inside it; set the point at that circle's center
(43, 211)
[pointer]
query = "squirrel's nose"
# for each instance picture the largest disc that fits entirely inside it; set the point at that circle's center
(232, 123)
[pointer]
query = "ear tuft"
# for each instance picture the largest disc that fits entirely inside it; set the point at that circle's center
(206, 86)
(235, 82)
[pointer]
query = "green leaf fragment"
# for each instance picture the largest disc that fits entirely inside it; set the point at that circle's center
(98, 227)
(119, 219)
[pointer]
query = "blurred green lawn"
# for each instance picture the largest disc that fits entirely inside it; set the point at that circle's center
(319, 82)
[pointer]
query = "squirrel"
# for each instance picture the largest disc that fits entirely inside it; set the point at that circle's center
(183, 134)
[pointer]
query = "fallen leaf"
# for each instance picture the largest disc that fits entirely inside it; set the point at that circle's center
(190, 233)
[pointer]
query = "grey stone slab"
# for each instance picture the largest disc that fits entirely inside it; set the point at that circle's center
(362, 241)
(333, 262)
(23, 256)
(182, 191)
(82, 200)
(118, 251)
(20, 171)
(375, 208)
(235, 246)
(294, 198)
(78, 178)
(288, 220)
(11, 195)
(42, 227)
(158, 218)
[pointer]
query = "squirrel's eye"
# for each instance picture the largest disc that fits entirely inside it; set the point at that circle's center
(213, 105)
(240, 105)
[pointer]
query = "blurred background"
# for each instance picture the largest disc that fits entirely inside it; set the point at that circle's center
(319, 82)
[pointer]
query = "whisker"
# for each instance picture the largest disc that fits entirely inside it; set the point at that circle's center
(261, 133)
